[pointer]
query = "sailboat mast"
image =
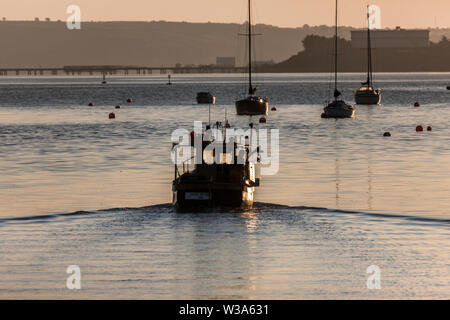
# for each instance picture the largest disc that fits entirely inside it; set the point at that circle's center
(336, 48)
(369, 51)
(250, 87)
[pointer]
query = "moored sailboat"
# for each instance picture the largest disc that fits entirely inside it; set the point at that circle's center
(252, 104)
(367, 94)
(337, 108)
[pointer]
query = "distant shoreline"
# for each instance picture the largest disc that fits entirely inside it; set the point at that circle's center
(156, 43)
(121, 75)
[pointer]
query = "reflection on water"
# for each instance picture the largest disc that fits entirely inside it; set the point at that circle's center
(369, 181)
(336, 165)
(251, 220)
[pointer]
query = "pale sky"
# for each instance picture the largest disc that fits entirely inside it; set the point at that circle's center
(284, 13)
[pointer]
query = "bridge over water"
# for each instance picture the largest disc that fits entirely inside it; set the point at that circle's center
(117, 70)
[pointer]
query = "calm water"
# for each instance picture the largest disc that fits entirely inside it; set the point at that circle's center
(345, 197)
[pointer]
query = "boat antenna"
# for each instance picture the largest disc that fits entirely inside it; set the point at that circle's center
(250, 87)
(209, 114)
(249, 142)
(369, 51)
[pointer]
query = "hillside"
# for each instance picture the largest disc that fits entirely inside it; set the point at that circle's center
(317, 56)
(51, 44)
(157, 43)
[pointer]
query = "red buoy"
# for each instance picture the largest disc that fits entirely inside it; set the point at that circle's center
(90, 104)
(112, 115)
(117, 107)
(129, 100)
(273, 109)
(192, 138)
(262, 120)
(387, 134)
(429, 128)
(419, 128)
(417, 104)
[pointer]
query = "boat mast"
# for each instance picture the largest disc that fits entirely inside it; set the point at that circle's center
(369, 51)
(336, 92)
(250, 87)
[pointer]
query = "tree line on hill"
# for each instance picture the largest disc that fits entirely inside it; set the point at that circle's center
(318, 56)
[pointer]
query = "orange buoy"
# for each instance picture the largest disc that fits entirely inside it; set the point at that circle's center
(129, 100)
(273, 109)
(90, 104)
(429, 128)
(112, 115)
(419, 128)
(117, 107)
(262, 120)
(417, 104)
(387, 134)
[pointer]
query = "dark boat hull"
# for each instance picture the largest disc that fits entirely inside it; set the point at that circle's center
(368, 97)
(338, 109)
(206, 101)
(251, 107)
(194, 198)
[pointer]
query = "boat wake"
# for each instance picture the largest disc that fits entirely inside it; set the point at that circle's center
(258, 207)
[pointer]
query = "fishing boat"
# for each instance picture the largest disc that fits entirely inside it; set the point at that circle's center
(205, 98)
(337, 108)
(367, 94)
(251, 104)
(229, 183)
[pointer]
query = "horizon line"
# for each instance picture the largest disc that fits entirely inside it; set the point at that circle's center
(305, 26)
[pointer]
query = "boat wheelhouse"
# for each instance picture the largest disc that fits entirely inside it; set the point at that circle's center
(225, 177)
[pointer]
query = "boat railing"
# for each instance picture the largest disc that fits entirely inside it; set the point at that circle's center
(185, 169)
(185, 166)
